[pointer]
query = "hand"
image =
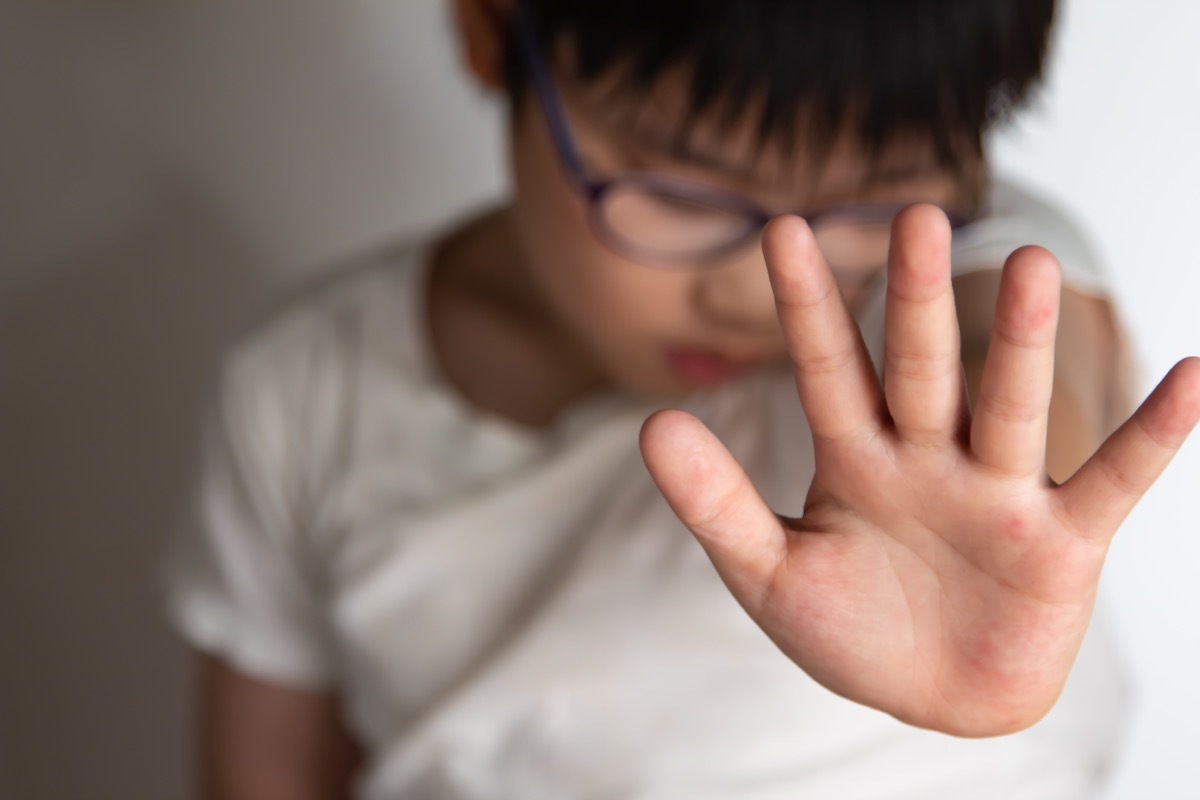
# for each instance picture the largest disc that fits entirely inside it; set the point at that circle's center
(937, 573)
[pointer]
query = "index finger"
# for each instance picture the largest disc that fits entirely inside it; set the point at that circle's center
(835, 379)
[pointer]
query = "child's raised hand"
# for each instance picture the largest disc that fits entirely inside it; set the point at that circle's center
(937, 573)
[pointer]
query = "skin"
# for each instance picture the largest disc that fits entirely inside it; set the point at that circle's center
(268, 742)
(955, 593)
(951, 589)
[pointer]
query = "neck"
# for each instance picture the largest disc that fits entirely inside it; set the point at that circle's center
(495, 340)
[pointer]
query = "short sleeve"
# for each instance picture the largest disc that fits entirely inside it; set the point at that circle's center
(240, 583)
(1016, 217)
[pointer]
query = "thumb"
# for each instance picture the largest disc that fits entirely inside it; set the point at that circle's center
(710, 493)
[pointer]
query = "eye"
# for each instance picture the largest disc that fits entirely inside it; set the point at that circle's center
(678, 204)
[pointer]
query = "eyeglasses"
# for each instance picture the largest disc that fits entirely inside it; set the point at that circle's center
(662, 219)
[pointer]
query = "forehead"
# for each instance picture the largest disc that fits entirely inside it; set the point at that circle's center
(744, 141)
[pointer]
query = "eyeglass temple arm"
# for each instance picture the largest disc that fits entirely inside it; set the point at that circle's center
(543, 85)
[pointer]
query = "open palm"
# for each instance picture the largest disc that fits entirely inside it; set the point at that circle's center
(937, 573)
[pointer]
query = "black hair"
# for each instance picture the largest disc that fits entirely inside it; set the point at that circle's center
(942, 70)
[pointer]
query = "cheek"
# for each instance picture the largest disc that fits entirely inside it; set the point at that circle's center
(595, 291)
(550, 213)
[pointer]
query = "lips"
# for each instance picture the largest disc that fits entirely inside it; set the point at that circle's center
(706, 367)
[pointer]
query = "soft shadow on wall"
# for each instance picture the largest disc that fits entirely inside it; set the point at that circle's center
(106, 358)
(166, 172)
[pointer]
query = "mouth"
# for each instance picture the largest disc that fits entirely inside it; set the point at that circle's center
(705, 367)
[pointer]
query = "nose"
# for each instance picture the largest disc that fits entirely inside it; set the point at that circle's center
(736, 293)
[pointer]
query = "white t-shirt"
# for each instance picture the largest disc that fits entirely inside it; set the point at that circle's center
(512, 613)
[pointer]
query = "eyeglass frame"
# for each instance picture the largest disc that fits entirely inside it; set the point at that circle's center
(594, 189)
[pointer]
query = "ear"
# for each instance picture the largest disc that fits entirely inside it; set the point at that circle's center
(483, 33)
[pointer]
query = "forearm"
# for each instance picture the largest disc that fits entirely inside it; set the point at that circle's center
(265, 742)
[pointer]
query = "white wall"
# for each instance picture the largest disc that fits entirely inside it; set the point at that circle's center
(1117, 139)
(165, 171)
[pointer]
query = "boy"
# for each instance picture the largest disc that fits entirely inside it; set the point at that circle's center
(425, 532)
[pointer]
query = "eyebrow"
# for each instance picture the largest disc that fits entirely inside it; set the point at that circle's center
(680, 150)
(894, 174)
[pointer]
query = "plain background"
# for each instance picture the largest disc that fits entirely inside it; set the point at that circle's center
(166, 172)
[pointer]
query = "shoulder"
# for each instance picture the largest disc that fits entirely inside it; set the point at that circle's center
(1014, 216)
(292, 384)
(335, 315)
(355, 316)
